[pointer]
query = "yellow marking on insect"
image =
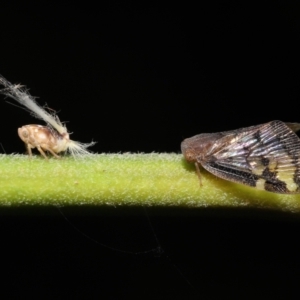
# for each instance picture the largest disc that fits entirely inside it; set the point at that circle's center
(257, 167)
(260, 184)
(272, 165)
(286, 175)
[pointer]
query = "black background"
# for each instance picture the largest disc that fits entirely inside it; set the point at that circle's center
(142, 77)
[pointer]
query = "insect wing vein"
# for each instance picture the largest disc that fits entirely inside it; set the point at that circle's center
(265, 156)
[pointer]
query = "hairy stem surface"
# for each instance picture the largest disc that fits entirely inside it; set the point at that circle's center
(125, 179)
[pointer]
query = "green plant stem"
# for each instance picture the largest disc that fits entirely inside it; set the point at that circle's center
(125, 179)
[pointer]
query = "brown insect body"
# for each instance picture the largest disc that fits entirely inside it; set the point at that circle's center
(44, 139)
(265, 156)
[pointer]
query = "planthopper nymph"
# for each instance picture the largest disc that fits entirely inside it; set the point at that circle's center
(265, 156)
(53, 137)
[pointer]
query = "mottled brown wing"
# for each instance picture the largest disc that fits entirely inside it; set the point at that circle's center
(266, 157)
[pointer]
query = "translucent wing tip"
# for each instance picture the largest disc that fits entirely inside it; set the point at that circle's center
(293, 126)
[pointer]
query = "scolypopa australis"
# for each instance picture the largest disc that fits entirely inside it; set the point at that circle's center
(265, 156)
(54, 137)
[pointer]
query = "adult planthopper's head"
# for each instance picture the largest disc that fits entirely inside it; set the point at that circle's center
(196, 148)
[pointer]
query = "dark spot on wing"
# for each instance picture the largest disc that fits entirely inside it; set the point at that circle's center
(268, 175)
(232, 174)
(265, 161)
(277, 187)
(257, 136)
(273, 184)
